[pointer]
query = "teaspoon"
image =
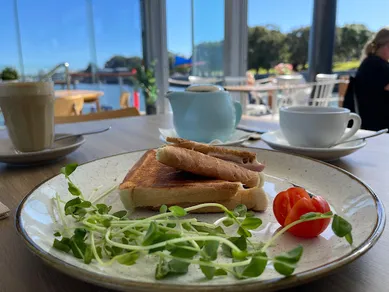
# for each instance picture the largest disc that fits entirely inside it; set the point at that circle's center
(83, 134)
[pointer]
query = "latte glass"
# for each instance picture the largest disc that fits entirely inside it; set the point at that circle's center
(28, 109)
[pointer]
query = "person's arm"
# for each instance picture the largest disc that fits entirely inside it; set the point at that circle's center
(383, 77)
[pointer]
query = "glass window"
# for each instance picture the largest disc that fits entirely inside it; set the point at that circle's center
(9, 48)
(278, 33)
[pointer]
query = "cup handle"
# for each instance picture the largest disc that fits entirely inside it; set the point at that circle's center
(238, 112)
(356, 126)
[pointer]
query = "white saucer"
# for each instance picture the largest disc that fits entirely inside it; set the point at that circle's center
(59, 150)
(237, 138)
(276, 140)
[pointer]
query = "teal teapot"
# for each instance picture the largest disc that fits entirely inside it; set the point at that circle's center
(204, 113)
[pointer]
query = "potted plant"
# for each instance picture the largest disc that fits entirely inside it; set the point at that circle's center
(283, 69)
(9, 74)
(144, 78)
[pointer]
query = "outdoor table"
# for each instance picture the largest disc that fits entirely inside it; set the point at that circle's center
(90, 96)
(21, 271)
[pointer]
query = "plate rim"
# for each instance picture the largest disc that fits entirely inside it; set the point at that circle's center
(265, 285)
(310, 149)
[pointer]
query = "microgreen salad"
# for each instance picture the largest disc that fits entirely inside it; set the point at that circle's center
(175, 240)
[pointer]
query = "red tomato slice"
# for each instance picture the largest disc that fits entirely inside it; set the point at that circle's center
(290, 205)
(284, 202)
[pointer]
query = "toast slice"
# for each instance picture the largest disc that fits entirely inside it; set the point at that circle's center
(150, 184)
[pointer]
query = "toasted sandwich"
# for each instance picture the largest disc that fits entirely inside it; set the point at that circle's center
(153, 181)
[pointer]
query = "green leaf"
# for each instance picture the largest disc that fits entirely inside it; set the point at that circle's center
(178, 267)
(240, 242)
(69, 169)
(98, 250)
(162, 269)
(340, 226)
(78, 247)
(220, 272)
(349, 238)
(163, 209)
(209, 250)
(211, 231)
(106, 222)
(329, 213)
(285, 263)
(79, 234)
(70, 206)
(243, 232)
(256, 266)
(209, 272)
(228, 222)
(128, 259)
(187, 226)
(88, 256)
(62, 245)
(120, 214)
(73, 189)
(310, 215)
(56, 234)
(179, 250)
(84, 204)
(102, 209)
(251, 223)
(172, 225)
(177, 211)
(240, 210)
(151, 234)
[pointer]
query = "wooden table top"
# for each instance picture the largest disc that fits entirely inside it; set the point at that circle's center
(21, 271)
(88, 95)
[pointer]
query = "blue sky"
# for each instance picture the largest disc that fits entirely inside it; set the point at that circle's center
(53, 31)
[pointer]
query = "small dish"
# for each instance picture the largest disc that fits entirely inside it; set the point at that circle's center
(237, 138)
(59, 149)
(276, 140)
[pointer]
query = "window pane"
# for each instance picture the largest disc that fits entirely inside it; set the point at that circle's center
(8, 48)
(278, 33)
(208, 28)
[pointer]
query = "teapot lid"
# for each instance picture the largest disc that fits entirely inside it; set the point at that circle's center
(204, 88)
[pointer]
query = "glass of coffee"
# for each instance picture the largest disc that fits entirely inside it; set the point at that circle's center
(28, 109)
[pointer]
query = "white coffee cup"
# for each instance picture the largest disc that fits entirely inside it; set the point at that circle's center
(28, 109)
(318, 127)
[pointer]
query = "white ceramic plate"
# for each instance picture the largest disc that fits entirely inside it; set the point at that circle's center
(237, 138)
(347, 195)
(59, 150)
(276, 140)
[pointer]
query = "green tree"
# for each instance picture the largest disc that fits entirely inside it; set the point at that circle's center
(211, 53)
(266, 47)
(9, 74)
(353, 37)
(123, 62)
(297, 45)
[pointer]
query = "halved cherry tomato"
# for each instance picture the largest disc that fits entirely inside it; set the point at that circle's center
(290, 205)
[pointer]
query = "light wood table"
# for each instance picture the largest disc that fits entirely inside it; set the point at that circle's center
(89, 96)
(21, 271)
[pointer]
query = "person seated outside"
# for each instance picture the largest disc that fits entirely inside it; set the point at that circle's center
(371, 83)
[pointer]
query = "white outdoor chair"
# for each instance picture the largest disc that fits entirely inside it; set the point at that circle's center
(291, 91)
(322, 95)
